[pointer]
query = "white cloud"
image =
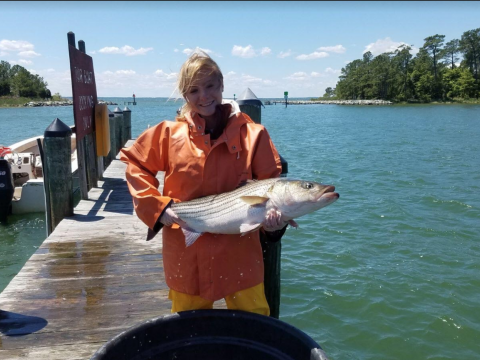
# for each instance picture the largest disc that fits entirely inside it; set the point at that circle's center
(315, 74)
(329, 70)
(251, 79)
(339, 49)
(28, 54)
(189, 51)
(298, 76)
(314, 55)
(284, 54)
(386, 45)
(168, 76)
(22, 49)
(125, 50)
(244, 52)
(125, 72)
(248, 51)
(15, 46)
(25, 62)
(265, 51)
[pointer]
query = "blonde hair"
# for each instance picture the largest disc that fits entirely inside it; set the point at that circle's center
(199, 63)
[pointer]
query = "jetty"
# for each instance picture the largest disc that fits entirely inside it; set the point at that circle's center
(92, 278)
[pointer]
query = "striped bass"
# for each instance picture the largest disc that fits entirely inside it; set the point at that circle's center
(243, 210)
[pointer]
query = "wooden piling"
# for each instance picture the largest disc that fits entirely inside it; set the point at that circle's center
(127, 122)
(271, 250)
(118, 116)
(57, 172)
(113, 141)
(254, 111)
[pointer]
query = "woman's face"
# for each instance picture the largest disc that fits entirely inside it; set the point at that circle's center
(205, 94)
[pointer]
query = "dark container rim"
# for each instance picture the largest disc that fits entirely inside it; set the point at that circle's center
(277, 330)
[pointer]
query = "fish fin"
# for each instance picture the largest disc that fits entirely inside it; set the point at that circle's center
(254, 200)
(190, 236)
(247, 228)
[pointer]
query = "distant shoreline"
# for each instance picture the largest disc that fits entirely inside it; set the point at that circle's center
(64, 102)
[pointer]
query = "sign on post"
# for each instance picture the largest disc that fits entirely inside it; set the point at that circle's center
(84, 91)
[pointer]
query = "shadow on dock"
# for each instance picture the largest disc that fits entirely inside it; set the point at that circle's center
(14, 324)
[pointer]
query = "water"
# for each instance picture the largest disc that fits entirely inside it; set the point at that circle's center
(389, 271)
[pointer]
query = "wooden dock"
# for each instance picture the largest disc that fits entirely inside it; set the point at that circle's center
(92, 278)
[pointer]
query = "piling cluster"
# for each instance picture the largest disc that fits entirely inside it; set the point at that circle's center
(56, 159)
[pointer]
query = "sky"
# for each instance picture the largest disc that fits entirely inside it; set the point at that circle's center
(270, 47)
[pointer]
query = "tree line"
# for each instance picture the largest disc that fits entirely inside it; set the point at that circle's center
(433, 74)
(19, 82)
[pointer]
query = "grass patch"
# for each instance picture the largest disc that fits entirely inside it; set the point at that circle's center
(11, 101)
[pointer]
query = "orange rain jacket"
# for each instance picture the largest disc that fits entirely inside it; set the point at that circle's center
(215, 265)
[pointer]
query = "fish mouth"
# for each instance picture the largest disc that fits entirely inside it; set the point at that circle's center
(328, 193)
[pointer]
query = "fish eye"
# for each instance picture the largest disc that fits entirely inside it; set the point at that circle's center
(307, 185)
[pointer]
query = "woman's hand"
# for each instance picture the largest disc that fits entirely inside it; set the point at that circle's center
(273, 221)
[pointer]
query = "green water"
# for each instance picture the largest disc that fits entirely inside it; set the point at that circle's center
(389, 271)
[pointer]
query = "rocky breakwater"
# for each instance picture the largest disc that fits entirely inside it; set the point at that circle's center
(48, 103)
(336, 102)
(355, 102)
(61, 103)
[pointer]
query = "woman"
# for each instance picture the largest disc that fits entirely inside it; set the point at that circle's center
(211, 148)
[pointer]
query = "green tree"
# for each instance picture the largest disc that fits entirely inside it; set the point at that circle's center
(25, 84)
(402, 60)
(329, 92)
(470, 47)
(425, 87)
(420, 65)
(459, 83)
(4, 78)
(382, 76)
(433, 45)
(452, 48)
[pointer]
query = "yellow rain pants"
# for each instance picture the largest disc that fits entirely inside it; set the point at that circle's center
(251, 300)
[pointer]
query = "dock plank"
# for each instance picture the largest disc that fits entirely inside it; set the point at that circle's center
(92, 278)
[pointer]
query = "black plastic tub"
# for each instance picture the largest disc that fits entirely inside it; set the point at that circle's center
(211, 335)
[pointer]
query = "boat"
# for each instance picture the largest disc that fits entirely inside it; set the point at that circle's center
(22, 162)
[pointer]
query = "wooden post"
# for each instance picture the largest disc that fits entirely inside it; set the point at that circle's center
(113, 141)
(271, 250)
(84, 100)
(127, 120)
(57, 173)
(254, 111)
(118, 115)
(90, 146)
